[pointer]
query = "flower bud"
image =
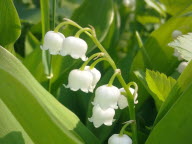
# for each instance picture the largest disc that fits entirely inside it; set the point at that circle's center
(117, 139)
(80, 79)
(177, 54)
(53, 42)
(75, 47)
(176, 33)
(106, 97)
(182, 66)
(123, 101)
(130, 4)
(101, 116)
(96, 75)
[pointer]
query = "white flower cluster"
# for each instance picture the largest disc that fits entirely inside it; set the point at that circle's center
(107, 99)
(57, 44)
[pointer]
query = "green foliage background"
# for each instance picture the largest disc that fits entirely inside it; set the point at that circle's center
(29, 114)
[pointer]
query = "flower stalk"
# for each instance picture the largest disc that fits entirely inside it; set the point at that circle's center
(119, 76)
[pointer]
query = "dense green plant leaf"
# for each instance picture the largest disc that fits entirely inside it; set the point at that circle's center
(12, 137)
(10, 27)
(183, 45)
(183, 82)
(175, 6)
(175, 127)
(157, 47)
(30, 109)
(160, 85)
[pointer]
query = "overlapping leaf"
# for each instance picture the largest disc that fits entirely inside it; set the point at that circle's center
(10, 27)
(26, 107)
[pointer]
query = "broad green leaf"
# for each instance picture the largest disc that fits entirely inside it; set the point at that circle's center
(28, 108)
(183, 82)
(175, 6)
(10, 27)
(175, 127)
(183, 45)
(160, 85)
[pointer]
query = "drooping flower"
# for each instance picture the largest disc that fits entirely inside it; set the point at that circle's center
(101, 116)
(53, 42)
(96, 75)
(182, 66)
(117, 139)
(80, 79)
(123, 101)
(75, 47)
(106, 97)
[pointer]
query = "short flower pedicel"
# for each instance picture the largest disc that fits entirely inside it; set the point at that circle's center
(75, 47)
(53, 42)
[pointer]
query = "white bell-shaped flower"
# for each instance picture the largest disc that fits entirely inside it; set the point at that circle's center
(106, 97)
(117, 139)
(75, 47)
(96, 75)
(80, 79)
(101, 116)
(182, 66)
(53, 42)
(123, 101)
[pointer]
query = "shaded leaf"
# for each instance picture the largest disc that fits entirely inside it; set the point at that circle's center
(10, 27)
(175, 127)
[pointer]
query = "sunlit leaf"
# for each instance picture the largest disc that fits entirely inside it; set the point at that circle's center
(183, 44)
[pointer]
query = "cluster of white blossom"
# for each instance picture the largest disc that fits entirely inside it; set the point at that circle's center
(107, 97)
(57, 44)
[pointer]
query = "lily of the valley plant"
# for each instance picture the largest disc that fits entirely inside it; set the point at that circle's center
(108, 97)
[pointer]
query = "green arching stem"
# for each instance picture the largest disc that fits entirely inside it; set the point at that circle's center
(82, 30)
(124, 85)
(90, 58)
(135, 87)
(125, 126)
(46, 57)
(141, 46)
(119, 76)
(97, 61)
(117, 71)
